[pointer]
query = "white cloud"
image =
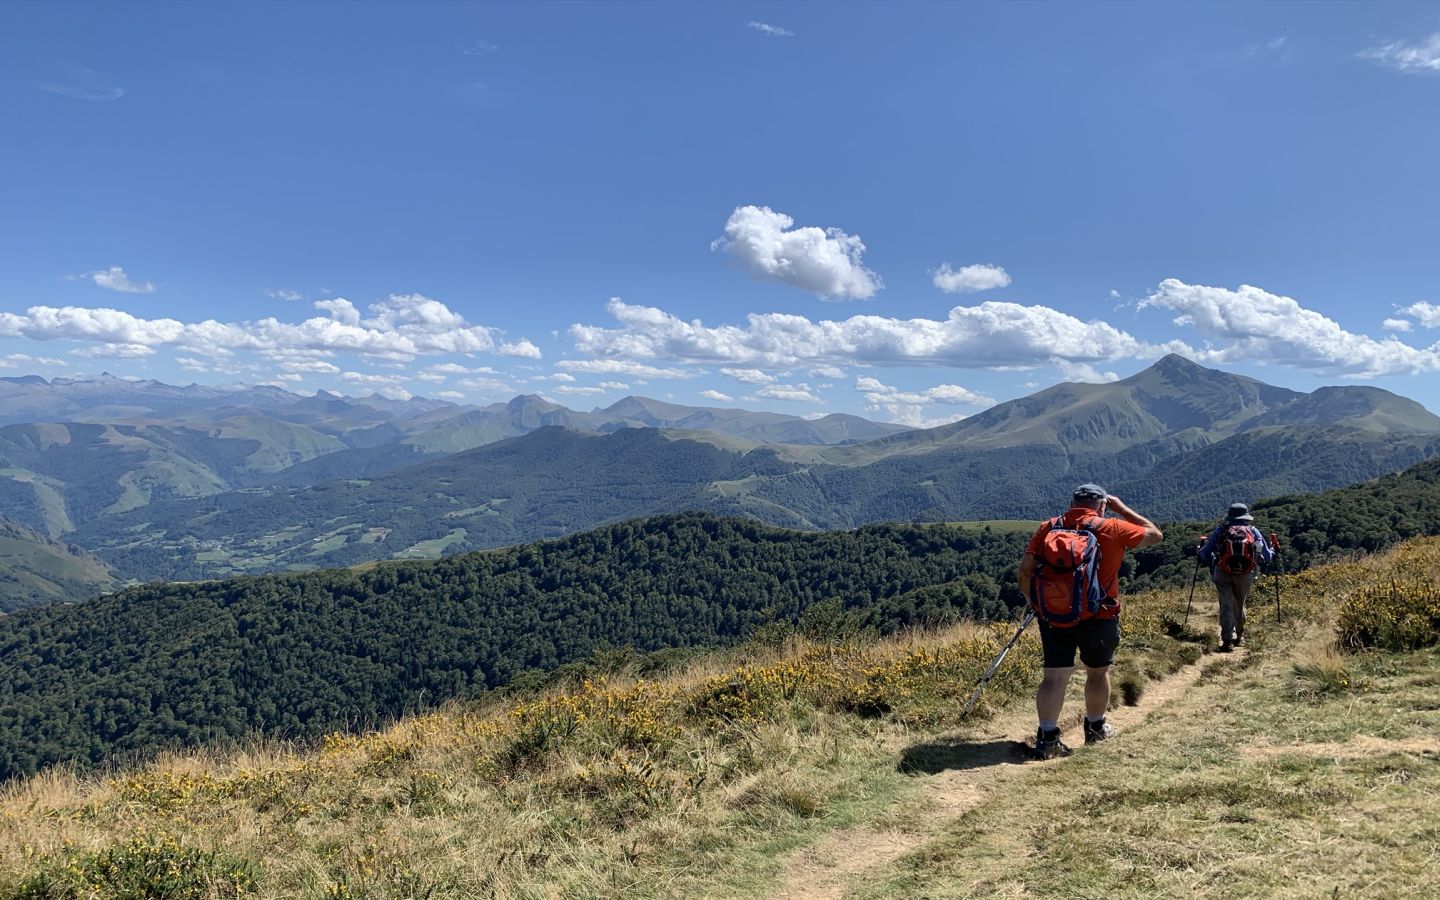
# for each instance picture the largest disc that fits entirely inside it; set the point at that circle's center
(966, 279)
(1397, 324)
(990, 335)
(284, 294)
(799, 393)
(768, 29)
(82, 84)
(480, 48)
(190, 364)
(1084, 372)
(750, 376)
(430, 377)
(615, 385)
(1411, 58)
(716, 395)
(115, 279)
(340, 310)
(487, 385)
(578, 389)
(1255, 325)
(825, 372)
(825, 261)
(519, 348)
(114, 351)
(372, 379)
(1427, 314)
(877, 392)
(621, 367)
(398, 329)
(565, 377)
(450, 395)
(290, 376)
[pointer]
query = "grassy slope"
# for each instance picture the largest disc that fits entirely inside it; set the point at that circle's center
(703, 782)
(35, 570)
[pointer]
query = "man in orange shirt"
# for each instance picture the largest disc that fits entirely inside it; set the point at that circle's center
(1097, 635)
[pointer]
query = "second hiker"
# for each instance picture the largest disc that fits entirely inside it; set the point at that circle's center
(1235, 551)
(1071, 573)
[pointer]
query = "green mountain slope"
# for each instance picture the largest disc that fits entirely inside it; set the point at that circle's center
(35, 570)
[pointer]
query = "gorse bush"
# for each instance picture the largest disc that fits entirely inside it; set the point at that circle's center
(1401, 615)
(142, 869)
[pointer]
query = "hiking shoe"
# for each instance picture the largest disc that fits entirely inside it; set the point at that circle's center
(1225, 646)
(1095, 732)
(1049, 746)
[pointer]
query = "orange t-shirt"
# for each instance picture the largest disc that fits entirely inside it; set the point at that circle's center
(1113, 536)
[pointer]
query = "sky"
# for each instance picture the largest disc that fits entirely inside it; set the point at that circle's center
(903, 211)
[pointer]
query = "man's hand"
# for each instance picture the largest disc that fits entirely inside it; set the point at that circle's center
(1153, 535)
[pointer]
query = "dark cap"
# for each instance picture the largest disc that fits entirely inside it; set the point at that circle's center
(1090, 492)
(1239, 511)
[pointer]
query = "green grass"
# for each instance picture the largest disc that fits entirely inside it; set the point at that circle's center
(432, 548)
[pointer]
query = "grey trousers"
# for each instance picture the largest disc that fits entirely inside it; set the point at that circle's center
(1233, 590)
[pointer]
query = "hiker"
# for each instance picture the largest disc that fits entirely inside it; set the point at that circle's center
(1234, 552)
(1071, 573)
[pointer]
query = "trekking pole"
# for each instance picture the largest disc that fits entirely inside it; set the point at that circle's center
(1275, 546)
(1194, 576)
(989, 673)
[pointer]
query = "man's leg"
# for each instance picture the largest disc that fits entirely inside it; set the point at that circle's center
(1226, 589)
(1050, 699)
(1241, 586)
(1097, 692)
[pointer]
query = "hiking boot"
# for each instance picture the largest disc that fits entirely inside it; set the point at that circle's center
(1225, 646)
(1095, 732)
(1049, 746)
(1239, 640)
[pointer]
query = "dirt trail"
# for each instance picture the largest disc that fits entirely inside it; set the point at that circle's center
(963, 772)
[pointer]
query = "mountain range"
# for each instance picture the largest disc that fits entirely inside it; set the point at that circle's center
(202, 485)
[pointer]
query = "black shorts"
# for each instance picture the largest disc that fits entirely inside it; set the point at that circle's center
(1096, 639)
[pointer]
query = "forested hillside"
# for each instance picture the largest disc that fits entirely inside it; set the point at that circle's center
(166, 665)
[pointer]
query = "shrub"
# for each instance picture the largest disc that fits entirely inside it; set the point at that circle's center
(143, 869)
(1398, 616)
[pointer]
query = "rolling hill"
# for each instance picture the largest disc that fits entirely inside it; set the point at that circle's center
(35, 570)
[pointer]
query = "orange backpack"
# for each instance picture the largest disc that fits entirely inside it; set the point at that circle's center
(1066, 587)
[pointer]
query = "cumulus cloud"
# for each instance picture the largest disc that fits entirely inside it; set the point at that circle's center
(114, 351)
(1414, 58)
(1255, 325)
(621, 367)
(519, 348)
(825, 261)
(615, 385)
(750, 376)
(827, 372)
(398, 329)
(799, 393)
(1427, 314)
(1084, 372)
(970, 278)
(876, 392)
(290, 376)
(115, 279)
(990, 335)
(768, 29)
(1397, 324)
(582, 390)
(716, 395)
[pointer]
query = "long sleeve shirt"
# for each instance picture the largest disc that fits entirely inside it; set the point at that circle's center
(1210, 553)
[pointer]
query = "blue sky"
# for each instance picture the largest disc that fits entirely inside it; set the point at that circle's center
(902, 211)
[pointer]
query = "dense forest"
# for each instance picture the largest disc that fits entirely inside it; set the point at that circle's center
(174, 664)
